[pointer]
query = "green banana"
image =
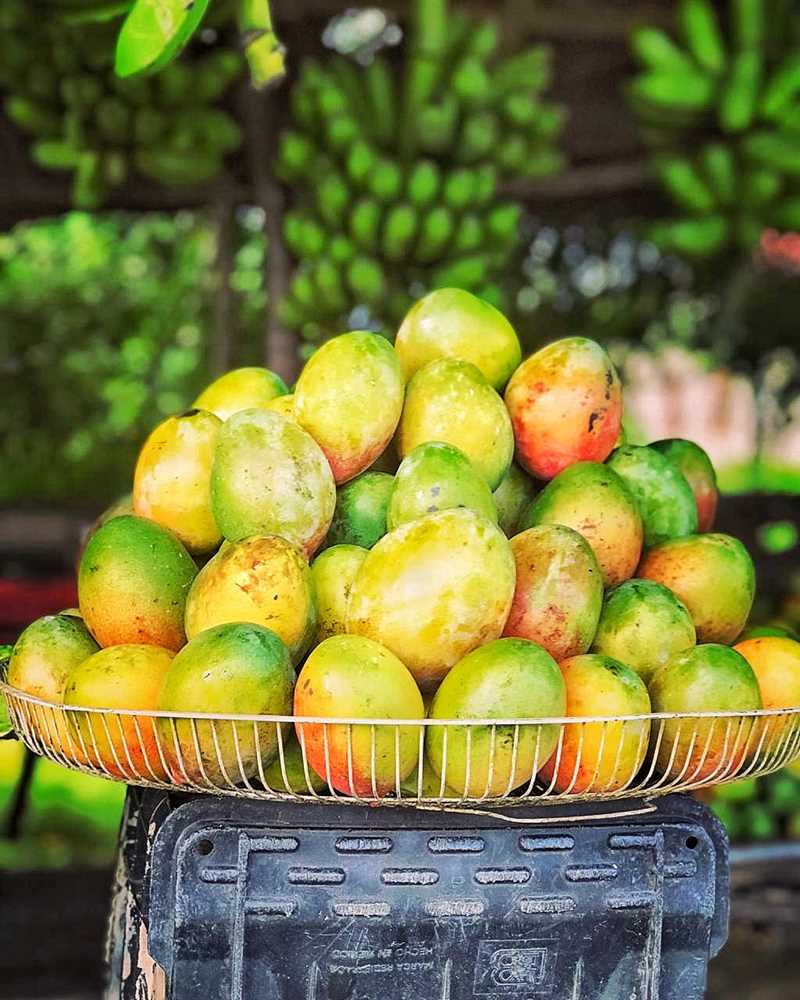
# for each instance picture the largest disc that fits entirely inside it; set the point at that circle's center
(761, 186)
(115, 167)
(459, 189)
(365, 221)
(331, 100)
(684, 183)
(520, 109)
(692, 237)
(720, 170)
(469, 235)
(295, 155)
(341, 131)
(399, 230)
(423, 183)
(328, 280)
(88, 187)
(361, 161)
(468, 272)
(366, 279)
(775, 150)
(693, 92)
(502, 222)
(513, 153)
(480, 133)
(333, 198)
(303, 290)
(304, 107)
(386, 181)
(485, 183)
(748, 23)
(176, 169)
(737, 104)
(381, 99)
(148, 126)
(782, 88)
(436, 125)
(435, 232)
(113, 119)
(700, 27)
(341, 249)
(470, 82)
(656, 51)
(481, 39)
(32, 116)
(543, 162)
(55, 155)
(527, 71)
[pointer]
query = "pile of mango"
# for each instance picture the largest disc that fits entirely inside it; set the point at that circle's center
(393, 539)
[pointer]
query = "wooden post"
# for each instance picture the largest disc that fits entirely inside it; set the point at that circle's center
(225, 320)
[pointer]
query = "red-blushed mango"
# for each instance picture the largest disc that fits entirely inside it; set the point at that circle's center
(665, 499)
(240, 389)
(505, 679)
(283, 405)
(565, 403)
(600, 756)
(288, 772)
(40, 662)
(360, 514)
(436, 476)
(512, 498)
(233, 669)
(349, 398)
(450, 400)
(172, 481)
(713, 575)
(127, 677)
(271, 478)
(350, 677)
(263, 579)
(559, 590)
(591, 499)
(433, 590)
(707, 678)
(132, 584)
(697, 469)
(643, 625)
(333, 573)
(453, 323)
(776, 663)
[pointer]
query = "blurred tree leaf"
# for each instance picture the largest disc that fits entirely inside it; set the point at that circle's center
(154, 32)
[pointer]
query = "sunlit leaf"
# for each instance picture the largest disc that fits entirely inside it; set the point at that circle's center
(154, 32)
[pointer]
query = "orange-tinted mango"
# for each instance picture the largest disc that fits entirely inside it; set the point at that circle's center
(600, 756)
(240, 389)
(776, 663)
(350, 677)
(696, 467)
(263, 579)
(132, 584)
(590, 498)
(559, 590)
(565, 403)
(172, 482)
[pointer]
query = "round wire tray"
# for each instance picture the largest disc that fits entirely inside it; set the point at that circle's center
(426, 763)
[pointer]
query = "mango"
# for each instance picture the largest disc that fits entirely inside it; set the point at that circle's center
(431, 787)
(271, 478)
(349, 398)
(505, 679)
(44, 654)
(433, 590)
(41, 659)
(351, 677)
(707, 678)
(450, 400)
(333, 573)
(590, 498)
(453, 323)
(283, 405)
(263, 579)
(695, 465)
(600, 756)
(360, 514)
(122, 505)
(643, 625)
(713, 575)
(433, 477)
(760, 631)
(236, 669)
(172, 481)
(128, 677)
(775, 661)
(133, 580)
(512, 498)
(565, 403)
(240, 389)
(559, 590)
(289, 774)
(665, 500)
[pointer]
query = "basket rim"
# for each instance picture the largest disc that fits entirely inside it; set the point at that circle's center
(560, 720)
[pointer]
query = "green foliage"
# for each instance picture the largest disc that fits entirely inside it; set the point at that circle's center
(62, 91)
(395, 171)
(721, 111)
(104, 330)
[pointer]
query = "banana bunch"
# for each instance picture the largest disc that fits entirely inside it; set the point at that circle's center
(395, 176)
(59, 86)
(721, 112)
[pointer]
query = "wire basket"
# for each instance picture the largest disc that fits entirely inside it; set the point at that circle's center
(431, 763)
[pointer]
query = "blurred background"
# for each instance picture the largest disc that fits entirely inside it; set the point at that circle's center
(614, 168)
